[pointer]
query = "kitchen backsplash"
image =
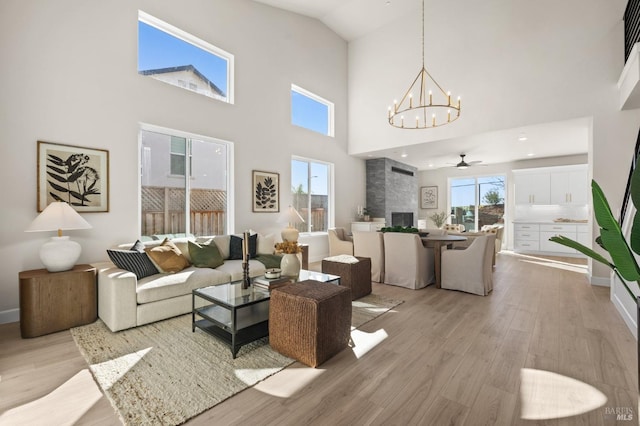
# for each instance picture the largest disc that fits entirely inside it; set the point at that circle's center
(549, 213)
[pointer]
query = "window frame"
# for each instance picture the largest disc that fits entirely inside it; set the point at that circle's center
(330, 109)
(477, 194)
(330, 190)
(230, 213)
(197, 42)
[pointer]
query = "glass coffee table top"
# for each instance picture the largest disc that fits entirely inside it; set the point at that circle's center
(232, 294)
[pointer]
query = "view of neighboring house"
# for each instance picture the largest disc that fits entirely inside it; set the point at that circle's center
(187, 77)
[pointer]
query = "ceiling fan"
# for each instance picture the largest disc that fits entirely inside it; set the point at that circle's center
(464, 164)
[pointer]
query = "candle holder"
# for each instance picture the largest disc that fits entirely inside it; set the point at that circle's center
(246, 281)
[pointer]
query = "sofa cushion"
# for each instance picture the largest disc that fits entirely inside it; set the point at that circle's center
(235, 247)
(266, 243)
(223, 242)
(167, 257)
(165, 286)
(205, 255)
(133, 261)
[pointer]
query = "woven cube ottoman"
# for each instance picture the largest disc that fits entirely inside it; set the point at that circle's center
(356, 276)
(310, 321)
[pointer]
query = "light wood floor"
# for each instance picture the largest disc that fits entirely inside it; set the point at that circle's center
(442, 357)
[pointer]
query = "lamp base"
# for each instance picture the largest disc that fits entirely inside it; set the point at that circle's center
(290, 234)
(60, 254)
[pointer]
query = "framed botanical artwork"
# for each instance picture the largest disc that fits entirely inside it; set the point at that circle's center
(429, 197)
(74, 174)
(266, 192)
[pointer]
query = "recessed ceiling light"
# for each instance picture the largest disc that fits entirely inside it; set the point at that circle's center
(430, 165)
(531, 154)
(404, 155)
(522, 137)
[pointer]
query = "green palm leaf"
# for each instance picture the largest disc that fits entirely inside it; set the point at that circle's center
(568, 242)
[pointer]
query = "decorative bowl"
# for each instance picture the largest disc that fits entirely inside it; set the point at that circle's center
(272, 273)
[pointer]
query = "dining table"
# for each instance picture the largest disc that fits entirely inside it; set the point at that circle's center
(437, 242)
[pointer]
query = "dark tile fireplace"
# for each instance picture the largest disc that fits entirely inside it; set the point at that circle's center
(401, 219)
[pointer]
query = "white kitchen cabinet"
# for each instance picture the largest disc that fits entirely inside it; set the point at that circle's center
(548, 231)
(569, 187)
(366, 226)
(534, 237)
(527, 237)
(583, 236)
(532, 188)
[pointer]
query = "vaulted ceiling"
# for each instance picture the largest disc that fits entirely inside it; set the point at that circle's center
(355, 19)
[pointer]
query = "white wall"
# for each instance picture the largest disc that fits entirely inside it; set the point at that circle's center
(70, 76)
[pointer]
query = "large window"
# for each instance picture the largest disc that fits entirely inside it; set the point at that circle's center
(310, 111)
(312, 193)
(173, 204)
(168, 54)
(477, 201)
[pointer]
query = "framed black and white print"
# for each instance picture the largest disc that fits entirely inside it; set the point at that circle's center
(76, 175)
(429, 197)
(266, 192)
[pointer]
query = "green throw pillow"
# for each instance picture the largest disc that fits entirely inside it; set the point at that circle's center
(205, 255)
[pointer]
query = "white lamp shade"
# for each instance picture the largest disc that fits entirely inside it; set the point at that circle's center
(59, 253)
(290, 233)
(58, 216)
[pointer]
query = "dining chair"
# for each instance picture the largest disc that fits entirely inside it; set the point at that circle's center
(470, 270)
(407, 262)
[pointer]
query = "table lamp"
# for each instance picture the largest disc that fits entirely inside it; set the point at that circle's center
(59, 253)
(290, 233)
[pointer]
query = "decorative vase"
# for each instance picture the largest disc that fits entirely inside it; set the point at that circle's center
(290, 265)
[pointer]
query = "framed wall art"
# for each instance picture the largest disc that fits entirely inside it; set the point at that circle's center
(429, 197)
(74, 174)
(266, 192)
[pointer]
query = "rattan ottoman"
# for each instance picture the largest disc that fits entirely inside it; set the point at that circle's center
(356, 276)
(310, 321)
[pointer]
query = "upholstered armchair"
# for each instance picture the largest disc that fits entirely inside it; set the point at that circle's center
(407, 263)
(476, 275)
(371, 245)
(339, 242)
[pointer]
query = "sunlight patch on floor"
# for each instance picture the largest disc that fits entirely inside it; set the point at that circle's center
(251, 375)
(109, 372)
(289, 381)
(363, 342)
(546, 395)
(560, 265)
(65, 405)
(580, 265)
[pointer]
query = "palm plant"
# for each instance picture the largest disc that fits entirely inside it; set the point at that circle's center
(611, 239)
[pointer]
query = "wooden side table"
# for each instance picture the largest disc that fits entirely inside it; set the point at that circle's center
(55, 301)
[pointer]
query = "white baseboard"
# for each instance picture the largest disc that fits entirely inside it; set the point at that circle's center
(625, 315)
(601, 281)
(12, 315)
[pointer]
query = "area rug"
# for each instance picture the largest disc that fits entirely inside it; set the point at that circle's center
(162, 373)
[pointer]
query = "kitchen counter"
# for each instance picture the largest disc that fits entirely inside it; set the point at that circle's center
(570, 222)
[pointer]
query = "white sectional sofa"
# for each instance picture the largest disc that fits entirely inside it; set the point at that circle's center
(124, 301)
